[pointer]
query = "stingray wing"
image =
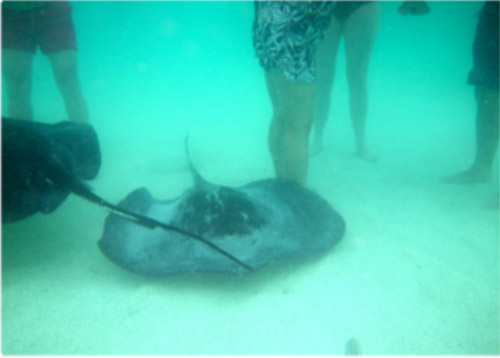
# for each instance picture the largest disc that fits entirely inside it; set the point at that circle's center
(30, 150)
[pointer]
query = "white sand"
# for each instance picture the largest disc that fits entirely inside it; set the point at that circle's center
(416, 273)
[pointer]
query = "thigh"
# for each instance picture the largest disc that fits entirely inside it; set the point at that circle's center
(64, 63)
(293, 102)
(487, 97)
(360, 32)
(327, 50)
(16, 65)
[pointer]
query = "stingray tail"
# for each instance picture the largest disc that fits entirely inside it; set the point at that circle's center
(197, 178)
(60, 177)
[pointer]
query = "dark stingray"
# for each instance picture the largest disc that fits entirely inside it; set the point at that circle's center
(43, 163)
(261, 222)
(32, 152)
(234, 230)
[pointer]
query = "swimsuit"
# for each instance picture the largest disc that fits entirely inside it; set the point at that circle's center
(485, 48)
(286, 34)
(49, 26)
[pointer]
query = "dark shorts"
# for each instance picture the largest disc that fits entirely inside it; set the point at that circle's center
(50, 27)
(286, 34)
(485, 48)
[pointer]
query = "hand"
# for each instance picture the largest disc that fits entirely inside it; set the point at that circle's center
(414, 8)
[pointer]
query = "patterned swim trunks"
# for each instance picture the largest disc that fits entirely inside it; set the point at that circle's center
(286, 34)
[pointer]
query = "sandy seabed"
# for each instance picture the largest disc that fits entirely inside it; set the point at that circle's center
(416, 273)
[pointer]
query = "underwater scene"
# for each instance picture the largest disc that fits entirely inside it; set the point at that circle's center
(196, 204)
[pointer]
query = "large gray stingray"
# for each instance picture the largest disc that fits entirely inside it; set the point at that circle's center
(259, 223)
(43, 163)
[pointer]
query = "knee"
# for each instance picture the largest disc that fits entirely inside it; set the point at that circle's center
(299, 129)
(66, 77)
(356, 79)
(65, 69)
(487, 96)
(291, 127)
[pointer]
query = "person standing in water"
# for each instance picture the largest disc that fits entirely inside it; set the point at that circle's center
(285, 37)
(358, 22)
(27, 25)
(484, 76)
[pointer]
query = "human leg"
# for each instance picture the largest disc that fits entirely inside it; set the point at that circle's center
(285, 37)
(325, 71)
(484, 76)
(16, 69)
(486, 137)
(293, 105)
(275, 129)
(360, 31)
(64, 67)
(487, 128)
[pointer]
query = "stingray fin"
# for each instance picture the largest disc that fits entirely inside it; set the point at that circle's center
(197, 178)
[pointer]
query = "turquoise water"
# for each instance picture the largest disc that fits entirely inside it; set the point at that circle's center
(416, 273)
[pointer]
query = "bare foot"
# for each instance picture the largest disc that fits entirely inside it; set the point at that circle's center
(365, 155)
(493, 203)
(472, 175)
(352, 347)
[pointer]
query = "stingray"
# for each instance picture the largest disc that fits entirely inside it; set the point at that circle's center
(43, 163)
(210, 228)
(259, 223)
(31, 152)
